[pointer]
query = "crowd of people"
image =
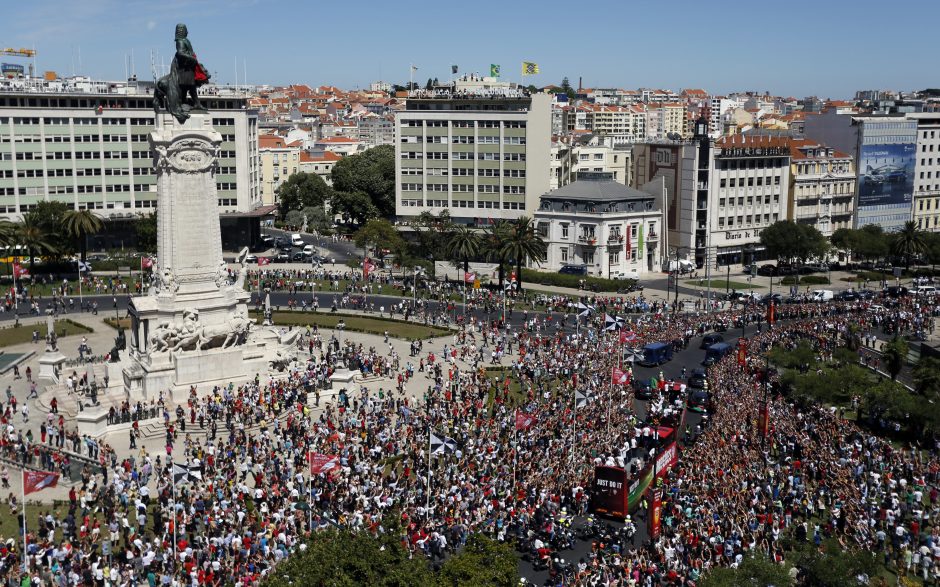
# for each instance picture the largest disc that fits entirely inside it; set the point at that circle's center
(230, 493)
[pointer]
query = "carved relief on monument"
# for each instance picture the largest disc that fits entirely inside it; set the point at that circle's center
(188, 156)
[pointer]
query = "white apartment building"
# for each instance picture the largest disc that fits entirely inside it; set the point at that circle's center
(621, 124)
(822, 186)
(91, 150)
(613, 229)
(481, 157)
(279, 160)
(748, 183)
(926, 199)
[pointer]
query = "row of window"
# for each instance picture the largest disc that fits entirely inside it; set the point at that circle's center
(464, 156)
(747, 220)
(757, 163)
(751, 200)
(443, 187)
(464, 204)
(740, 182)
(463, 123)
(466, 140)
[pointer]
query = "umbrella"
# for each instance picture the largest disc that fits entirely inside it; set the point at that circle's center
(302, 506)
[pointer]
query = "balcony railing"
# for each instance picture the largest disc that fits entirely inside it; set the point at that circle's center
(587, 239)
(652, 236)
(615, 238)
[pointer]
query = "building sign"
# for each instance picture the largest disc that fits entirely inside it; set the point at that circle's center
(609, 494)
(886, 174)
(742, 234)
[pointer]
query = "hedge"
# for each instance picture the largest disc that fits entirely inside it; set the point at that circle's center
(805, 280)
(573, 281)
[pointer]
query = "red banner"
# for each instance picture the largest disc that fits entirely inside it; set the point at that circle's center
(469, 277)
(34, 481)
(20, 271)
(771, 313)
(524, 421)
(146, 263)
(742, 352)
(367, 267)
(655, 516)
(321, 463)
(619, 377)
(264, 260)
(627, 336)
(763, 420)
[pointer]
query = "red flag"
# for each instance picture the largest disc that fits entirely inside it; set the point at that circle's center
(574, 379)
(742, 352)
(321, 463)
(627, 336)
(264, 260)
(628, 247)
(524, 421)
(34, 481)
(367, 267)
(20, 271)
(771, 313)
(763, 420)
(146, 263)
(469, 277)
(619, 377)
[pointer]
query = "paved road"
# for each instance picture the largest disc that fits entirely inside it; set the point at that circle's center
(341, 251)
(689, 358)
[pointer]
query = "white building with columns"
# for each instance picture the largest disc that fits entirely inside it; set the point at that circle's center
(612, 229)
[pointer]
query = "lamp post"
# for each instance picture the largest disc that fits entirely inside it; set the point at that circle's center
(675, 307)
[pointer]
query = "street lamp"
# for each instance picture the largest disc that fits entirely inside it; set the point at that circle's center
(675, 306)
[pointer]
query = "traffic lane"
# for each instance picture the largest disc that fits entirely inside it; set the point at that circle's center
(342, 251)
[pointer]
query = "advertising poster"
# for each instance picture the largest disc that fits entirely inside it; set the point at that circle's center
(609, 494)
(655, 518)
(886, 174)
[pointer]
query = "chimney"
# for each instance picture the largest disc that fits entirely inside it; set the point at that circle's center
(579, 84)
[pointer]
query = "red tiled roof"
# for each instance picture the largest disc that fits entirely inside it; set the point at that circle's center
(327, 157)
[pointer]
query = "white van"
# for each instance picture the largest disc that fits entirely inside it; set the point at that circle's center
(925, 290)
(822, 295)
(296, 240)
(308, 250)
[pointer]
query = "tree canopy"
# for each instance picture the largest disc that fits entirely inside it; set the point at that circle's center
(371, 173)
(789, 240)
(755, 569)
(378, 234)
(302, 190)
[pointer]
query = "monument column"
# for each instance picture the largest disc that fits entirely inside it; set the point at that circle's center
(188, 236)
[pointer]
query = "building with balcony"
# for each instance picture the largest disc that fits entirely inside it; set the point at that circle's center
(822, 186)
(925, 209)
(613, 229)
(279, 160)
(480, 156)
(87, 145)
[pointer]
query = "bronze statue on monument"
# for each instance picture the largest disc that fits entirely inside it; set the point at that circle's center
(176, 91)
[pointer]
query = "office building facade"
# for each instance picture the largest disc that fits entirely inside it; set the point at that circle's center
(480, 157)
(92, 151)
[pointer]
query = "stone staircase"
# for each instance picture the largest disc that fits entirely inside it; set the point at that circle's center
(68, 404)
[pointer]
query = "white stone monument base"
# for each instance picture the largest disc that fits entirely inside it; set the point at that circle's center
(50, 365)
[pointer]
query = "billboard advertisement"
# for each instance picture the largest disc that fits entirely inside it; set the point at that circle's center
(609, 494)
(886, 174)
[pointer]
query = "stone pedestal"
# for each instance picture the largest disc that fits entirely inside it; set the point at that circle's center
(50, 365)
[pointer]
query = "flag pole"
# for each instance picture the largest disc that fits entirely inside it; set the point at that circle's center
(175, 520)
(427, 501)
(25, 540)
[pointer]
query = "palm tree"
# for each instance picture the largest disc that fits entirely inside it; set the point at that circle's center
(894, 355)
(32, 235)
(7, 233)
(81, 223)
(927, 376)
(464, 244)
(494, 246)
(523, 243)
(910, 241)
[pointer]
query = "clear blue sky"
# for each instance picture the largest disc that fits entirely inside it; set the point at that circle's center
(828, 48)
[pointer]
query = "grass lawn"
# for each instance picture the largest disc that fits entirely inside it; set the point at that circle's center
(24, 333)
(723, 284)
(124, 323)
(369, 325)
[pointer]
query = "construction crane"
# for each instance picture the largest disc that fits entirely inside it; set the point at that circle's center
(9, 68)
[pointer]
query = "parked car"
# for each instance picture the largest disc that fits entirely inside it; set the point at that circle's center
(815, 268)
(282, 258)
(895, 291)
(298, 256)
(865, 294)
(573, 270)
(845, 296)
(716, 352)
(699, 400)
(251, 259)
(776, 298)
(822, 295)
(767, 271)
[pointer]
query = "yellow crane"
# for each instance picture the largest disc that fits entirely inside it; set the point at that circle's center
(21, 52)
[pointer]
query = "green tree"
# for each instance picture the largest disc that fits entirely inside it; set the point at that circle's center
(8, 231)
(788, 240)
(871, 242)
(522, 243)
(302, 190)
(832, 565)
(378, 235)
(909, 241)
(933, 248)
(354, 206)
(464, 244)
(927, 377)
(344, 559)
(483, 561)
(431, 233)
(755, 569)
(845, 239)
(32, 235)
(372, 173)
(294, 218)
(50, 216)
(894, 354)
(81, 223)
(494, 246)
(317, 219)
(145, 227)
